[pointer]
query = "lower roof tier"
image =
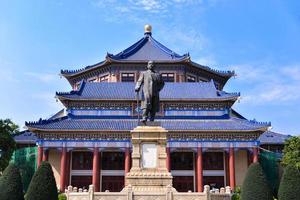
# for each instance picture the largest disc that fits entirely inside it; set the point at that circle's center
(69, 123)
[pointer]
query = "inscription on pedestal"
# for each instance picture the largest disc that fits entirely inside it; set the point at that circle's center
(149, 155)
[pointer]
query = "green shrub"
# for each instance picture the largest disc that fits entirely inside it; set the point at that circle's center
(62, 197)
(42, 185)
(11, 184)
(236, 194)
(290, 184)
(255, 185)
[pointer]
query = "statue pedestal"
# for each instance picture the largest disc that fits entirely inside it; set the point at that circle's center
(149, 171)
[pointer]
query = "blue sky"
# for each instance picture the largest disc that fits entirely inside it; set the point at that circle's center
(260, 40)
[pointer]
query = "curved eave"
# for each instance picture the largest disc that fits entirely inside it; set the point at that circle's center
(72, 73)
(232, 99)
(32, 129)
(225, 74)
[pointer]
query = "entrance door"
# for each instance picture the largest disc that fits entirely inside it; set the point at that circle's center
(182, 169)
(183, 183)
(112, 183)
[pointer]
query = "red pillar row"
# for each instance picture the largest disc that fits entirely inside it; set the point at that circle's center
(63, 165)
(68, 165)
(45, 155)
(199, 170)
(255, 154)
(168, 164)
(40, 156)
(231, 168)
(96, 169)
(127, 160)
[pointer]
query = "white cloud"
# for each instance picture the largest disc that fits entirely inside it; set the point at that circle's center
(266, 85)
(42, 77)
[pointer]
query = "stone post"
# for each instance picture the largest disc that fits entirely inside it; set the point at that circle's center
(91, 192)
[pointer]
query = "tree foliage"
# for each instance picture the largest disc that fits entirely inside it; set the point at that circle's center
(42, 185)
(11, 184)
(290, 184)
(255, 185)
(291, 152)
(7, 143)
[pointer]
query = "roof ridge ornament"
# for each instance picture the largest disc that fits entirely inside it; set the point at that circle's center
(147, 29)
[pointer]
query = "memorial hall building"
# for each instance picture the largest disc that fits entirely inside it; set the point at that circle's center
(89, 142)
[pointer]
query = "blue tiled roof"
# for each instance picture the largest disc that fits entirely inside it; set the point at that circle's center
(25, 137)
(144, 50)
(270, 137)
(148, 48)
(125, 91)
(74, 123)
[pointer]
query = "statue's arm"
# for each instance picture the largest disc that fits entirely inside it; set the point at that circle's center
(139, 82)
(162, 82)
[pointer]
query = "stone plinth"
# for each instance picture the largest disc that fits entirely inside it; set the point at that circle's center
(149, 171)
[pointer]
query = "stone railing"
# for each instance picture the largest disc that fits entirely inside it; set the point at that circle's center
(128, 194)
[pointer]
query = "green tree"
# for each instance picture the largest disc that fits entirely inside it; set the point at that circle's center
(255, 185)
(7, 143)
(11, 184)
(290, 184)
(291, 152)
(42, 185)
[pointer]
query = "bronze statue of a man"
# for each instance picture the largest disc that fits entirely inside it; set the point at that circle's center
(151, 83)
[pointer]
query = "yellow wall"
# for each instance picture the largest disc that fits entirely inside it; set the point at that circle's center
(54, 159)
(241, 166)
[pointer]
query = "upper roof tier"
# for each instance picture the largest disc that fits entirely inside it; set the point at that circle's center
(147, 48)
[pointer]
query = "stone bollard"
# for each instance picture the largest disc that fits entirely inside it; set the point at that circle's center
(206, 189)
(129, 192)
(222, 190)
(70, 188)
(91, 192)
(228, 190)
(75, 189)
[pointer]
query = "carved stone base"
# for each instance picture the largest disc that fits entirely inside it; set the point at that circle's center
(140, 178)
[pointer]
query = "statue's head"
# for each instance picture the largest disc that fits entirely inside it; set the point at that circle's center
(150, 65)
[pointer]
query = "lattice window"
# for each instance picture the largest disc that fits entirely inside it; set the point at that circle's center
(127, 77)
(168, 77)
(190, 78)
(104, 78)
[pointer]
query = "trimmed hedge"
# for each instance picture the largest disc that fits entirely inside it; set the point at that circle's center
(11, 184)
(42, 185)
(255, 185)
(290, 184)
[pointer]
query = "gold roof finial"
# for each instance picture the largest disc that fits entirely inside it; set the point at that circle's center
(148, 28)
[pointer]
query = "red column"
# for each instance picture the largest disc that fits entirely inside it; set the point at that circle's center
(68, 168)
(168, 159)
(40, 156)
(255, 154)
(199, 170)
(63, 167)
(96, 169)
(231, 168)
(45, 155)
(127, 160)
